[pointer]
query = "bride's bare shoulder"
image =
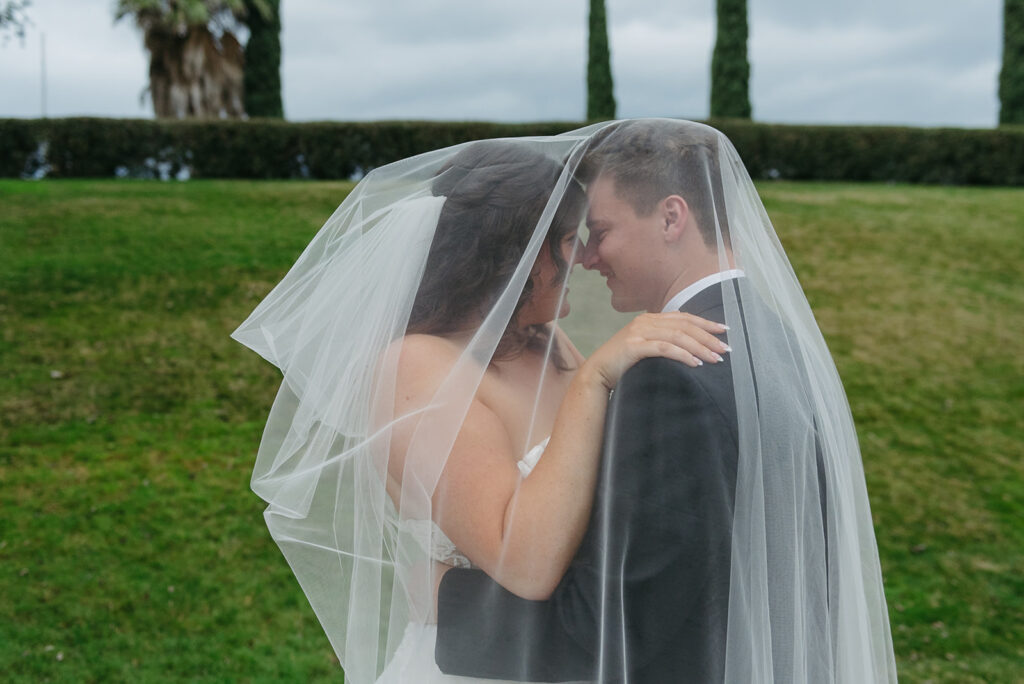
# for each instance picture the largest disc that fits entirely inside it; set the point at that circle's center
(420, 361)
(423, 350)
(569, 348)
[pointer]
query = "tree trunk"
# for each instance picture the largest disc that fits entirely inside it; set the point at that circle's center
(195, 76)
(1011, 76)
(730, 70)
(600, 91)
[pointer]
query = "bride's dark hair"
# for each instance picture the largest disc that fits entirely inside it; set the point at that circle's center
(495, 192)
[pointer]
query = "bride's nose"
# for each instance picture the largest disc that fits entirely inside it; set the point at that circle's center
(588, 255)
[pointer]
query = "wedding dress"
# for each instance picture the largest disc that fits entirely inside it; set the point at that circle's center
(414, 659)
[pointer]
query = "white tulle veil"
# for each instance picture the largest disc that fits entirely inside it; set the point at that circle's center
(805, 600)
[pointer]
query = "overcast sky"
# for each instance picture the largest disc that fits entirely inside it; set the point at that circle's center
(916, 62)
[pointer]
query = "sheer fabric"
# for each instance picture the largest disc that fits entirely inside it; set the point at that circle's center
(737, 546)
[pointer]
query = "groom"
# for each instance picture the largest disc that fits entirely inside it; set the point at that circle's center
(646, 598)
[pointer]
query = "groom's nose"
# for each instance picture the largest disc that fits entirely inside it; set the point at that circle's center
(577, 254)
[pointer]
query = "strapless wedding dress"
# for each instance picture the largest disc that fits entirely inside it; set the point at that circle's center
(413, 662)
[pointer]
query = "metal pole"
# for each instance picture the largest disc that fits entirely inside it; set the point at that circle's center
(42, 67)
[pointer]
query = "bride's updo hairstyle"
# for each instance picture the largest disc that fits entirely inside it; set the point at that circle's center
(496, 191)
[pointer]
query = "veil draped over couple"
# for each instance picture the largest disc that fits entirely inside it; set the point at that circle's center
(557, 409)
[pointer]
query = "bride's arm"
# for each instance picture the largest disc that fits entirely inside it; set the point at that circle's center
(524, 532)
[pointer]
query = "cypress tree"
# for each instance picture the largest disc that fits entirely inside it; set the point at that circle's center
(600, 96)
(1011, 76)
(263, 60)
(730, 70)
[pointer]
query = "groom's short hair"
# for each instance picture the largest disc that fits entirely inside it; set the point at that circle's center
(648, 160)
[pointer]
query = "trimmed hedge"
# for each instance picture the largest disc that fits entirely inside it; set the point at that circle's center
(257, 148)
(89, 147)
(942, 156)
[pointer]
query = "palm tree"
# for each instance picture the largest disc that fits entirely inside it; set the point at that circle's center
(13, 19)
(196, 63)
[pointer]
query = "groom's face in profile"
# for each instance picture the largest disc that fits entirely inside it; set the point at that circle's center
(623, 246)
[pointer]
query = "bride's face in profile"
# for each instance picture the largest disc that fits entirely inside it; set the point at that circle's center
(549, 299)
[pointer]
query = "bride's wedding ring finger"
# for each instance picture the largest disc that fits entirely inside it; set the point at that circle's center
(674, 351)
(694, 339)
(705, 338)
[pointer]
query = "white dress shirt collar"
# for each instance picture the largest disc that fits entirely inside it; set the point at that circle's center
(676, 303)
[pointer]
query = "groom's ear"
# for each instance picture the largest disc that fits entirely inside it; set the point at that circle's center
(674, 212)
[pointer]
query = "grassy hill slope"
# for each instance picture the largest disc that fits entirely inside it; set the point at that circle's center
(132, 549)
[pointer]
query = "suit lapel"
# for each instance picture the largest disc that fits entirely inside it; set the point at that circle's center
(707, 300)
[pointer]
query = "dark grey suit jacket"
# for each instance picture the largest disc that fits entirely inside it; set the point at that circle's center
(646, 596)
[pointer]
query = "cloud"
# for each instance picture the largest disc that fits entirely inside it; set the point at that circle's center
(504, 74)
(663, 69)
(879, 61)
(920, 73)
(92, 66)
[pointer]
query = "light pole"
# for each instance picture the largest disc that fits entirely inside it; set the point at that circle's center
(42, 73)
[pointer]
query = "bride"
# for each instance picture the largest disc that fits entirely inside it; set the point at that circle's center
(420, 348)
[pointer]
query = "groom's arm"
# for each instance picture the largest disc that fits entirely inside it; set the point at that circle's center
(643, 570)
(486, 631)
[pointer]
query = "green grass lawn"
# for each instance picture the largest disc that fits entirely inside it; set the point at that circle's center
(132, 549)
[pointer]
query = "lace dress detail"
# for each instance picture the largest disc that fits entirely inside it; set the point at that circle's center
(437, 544)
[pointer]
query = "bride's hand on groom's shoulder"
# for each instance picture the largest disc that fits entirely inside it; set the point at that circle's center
(675, 335)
